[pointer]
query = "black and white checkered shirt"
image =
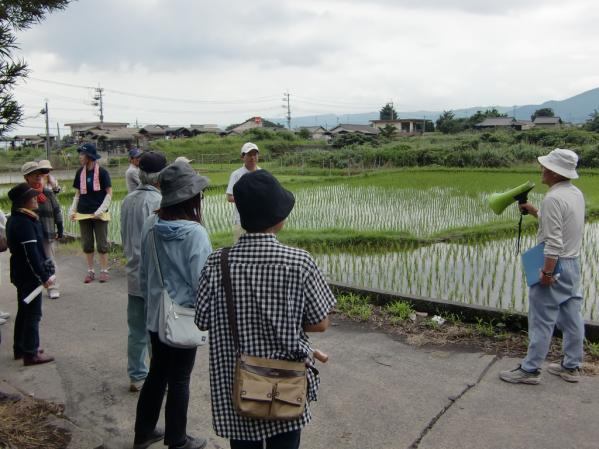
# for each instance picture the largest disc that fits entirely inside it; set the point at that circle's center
(276, 289)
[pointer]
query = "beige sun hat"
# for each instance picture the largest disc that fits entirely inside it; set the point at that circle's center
(561, 161)
(183, 159)
(29, 167)
(45, 164)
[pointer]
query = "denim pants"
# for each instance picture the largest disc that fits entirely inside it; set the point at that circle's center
(172, 367)
(287, 440)
(137, 340)
(27, 321)
(558, 304)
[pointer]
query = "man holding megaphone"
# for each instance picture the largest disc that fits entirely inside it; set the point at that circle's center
(556, 300)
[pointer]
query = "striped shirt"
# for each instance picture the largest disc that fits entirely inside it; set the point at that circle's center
(276, 290)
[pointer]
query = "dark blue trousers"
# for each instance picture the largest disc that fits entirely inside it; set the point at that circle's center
(27, 322)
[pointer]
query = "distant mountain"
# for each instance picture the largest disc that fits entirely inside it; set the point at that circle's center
(574, 109)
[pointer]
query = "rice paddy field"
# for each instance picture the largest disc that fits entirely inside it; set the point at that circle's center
(413, 232)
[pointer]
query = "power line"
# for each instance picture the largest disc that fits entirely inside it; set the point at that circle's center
(155, 97)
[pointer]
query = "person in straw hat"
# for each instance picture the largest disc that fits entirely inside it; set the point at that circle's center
(557, 298)
(49, 213)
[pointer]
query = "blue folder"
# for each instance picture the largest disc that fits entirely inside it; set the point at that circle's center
(533, 261)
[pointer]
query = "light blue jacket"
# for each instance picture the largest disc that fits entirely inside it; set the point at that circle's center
(183, 247)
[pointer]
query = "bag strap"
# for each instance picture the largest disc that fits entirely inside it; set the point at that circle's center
(156, 257)
(226, 279)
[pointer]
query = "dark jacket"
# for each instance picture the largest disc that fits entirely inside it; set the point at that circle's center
(50, 216)
(24, 234)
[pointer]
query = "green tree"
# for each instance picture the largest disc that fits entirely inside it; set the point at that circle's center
(389, 131)
(448, 124)
(304, 133)
(15, 16)
(388, 112)
(592, 124)
(543, 112)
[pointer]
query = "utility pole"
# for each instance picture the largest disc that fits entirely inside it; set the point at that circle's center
(45, 112)
(98, 101)
(286, 96)
(58, 142)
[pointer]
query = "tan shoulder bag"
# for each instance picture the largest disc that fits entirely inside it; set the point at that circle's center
(263, 388)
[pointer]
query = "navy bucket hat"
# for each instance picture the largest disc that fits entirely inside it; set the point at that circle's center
(89, 149)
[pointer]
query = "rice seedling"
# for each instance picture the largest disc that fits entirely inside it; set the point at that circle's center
(458, 272)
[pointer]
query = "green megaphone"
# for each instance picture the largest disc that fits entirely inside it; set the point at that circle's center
(499, 201)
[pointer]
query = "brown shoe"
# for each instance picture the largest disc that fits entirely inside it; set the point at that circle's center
(38, 359)
(19, 355)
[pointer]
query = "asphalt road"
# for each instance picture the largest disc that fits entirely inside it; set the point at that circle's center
(376, 393)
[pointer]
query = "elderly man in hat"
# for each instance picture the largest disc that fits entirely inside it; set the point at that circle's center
(556, 299)
(49, 181)
(136, 208)
(48, 211)
(249, 155)
(132, 174)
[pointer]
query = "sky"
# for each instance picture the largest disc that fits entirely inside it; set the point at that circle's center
(182, 62)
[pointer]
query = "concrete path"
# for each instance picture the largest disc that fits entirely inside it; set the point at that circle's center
(376, 393)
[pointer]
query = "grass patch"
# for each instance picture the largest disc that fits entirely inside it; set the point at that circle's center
(355, 306)
(400, 310)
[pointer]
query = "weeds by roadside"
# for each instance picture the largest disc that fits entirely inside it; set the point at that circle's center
(416, 328)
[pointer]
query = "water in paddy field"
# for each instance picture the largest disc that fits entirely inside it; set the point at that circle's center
(488, 274)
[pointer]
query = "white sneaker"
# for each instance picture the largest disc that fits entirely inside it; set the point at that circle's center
(53, 293)
(4, 315)
(569, 375)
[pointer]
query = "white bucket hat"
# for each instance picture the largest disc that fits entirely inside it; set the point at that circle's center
(561, 161)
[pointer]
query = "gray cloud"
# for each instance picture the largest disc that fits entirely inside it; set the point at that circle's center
(166, 36)
(471, 6)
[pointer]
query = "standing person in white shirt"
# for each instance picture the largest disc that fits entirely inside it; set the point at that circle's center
(249, 155)
(556, 300)
(132, 173)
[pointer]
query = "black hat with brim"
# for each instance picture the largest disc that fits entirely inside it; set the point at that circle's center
(179, 182)
(261, 201)
(21, 193)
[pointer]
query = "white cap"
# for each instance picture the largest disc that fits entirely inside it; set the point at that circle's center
(183, 159)
(561, 161)
(249, 146)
